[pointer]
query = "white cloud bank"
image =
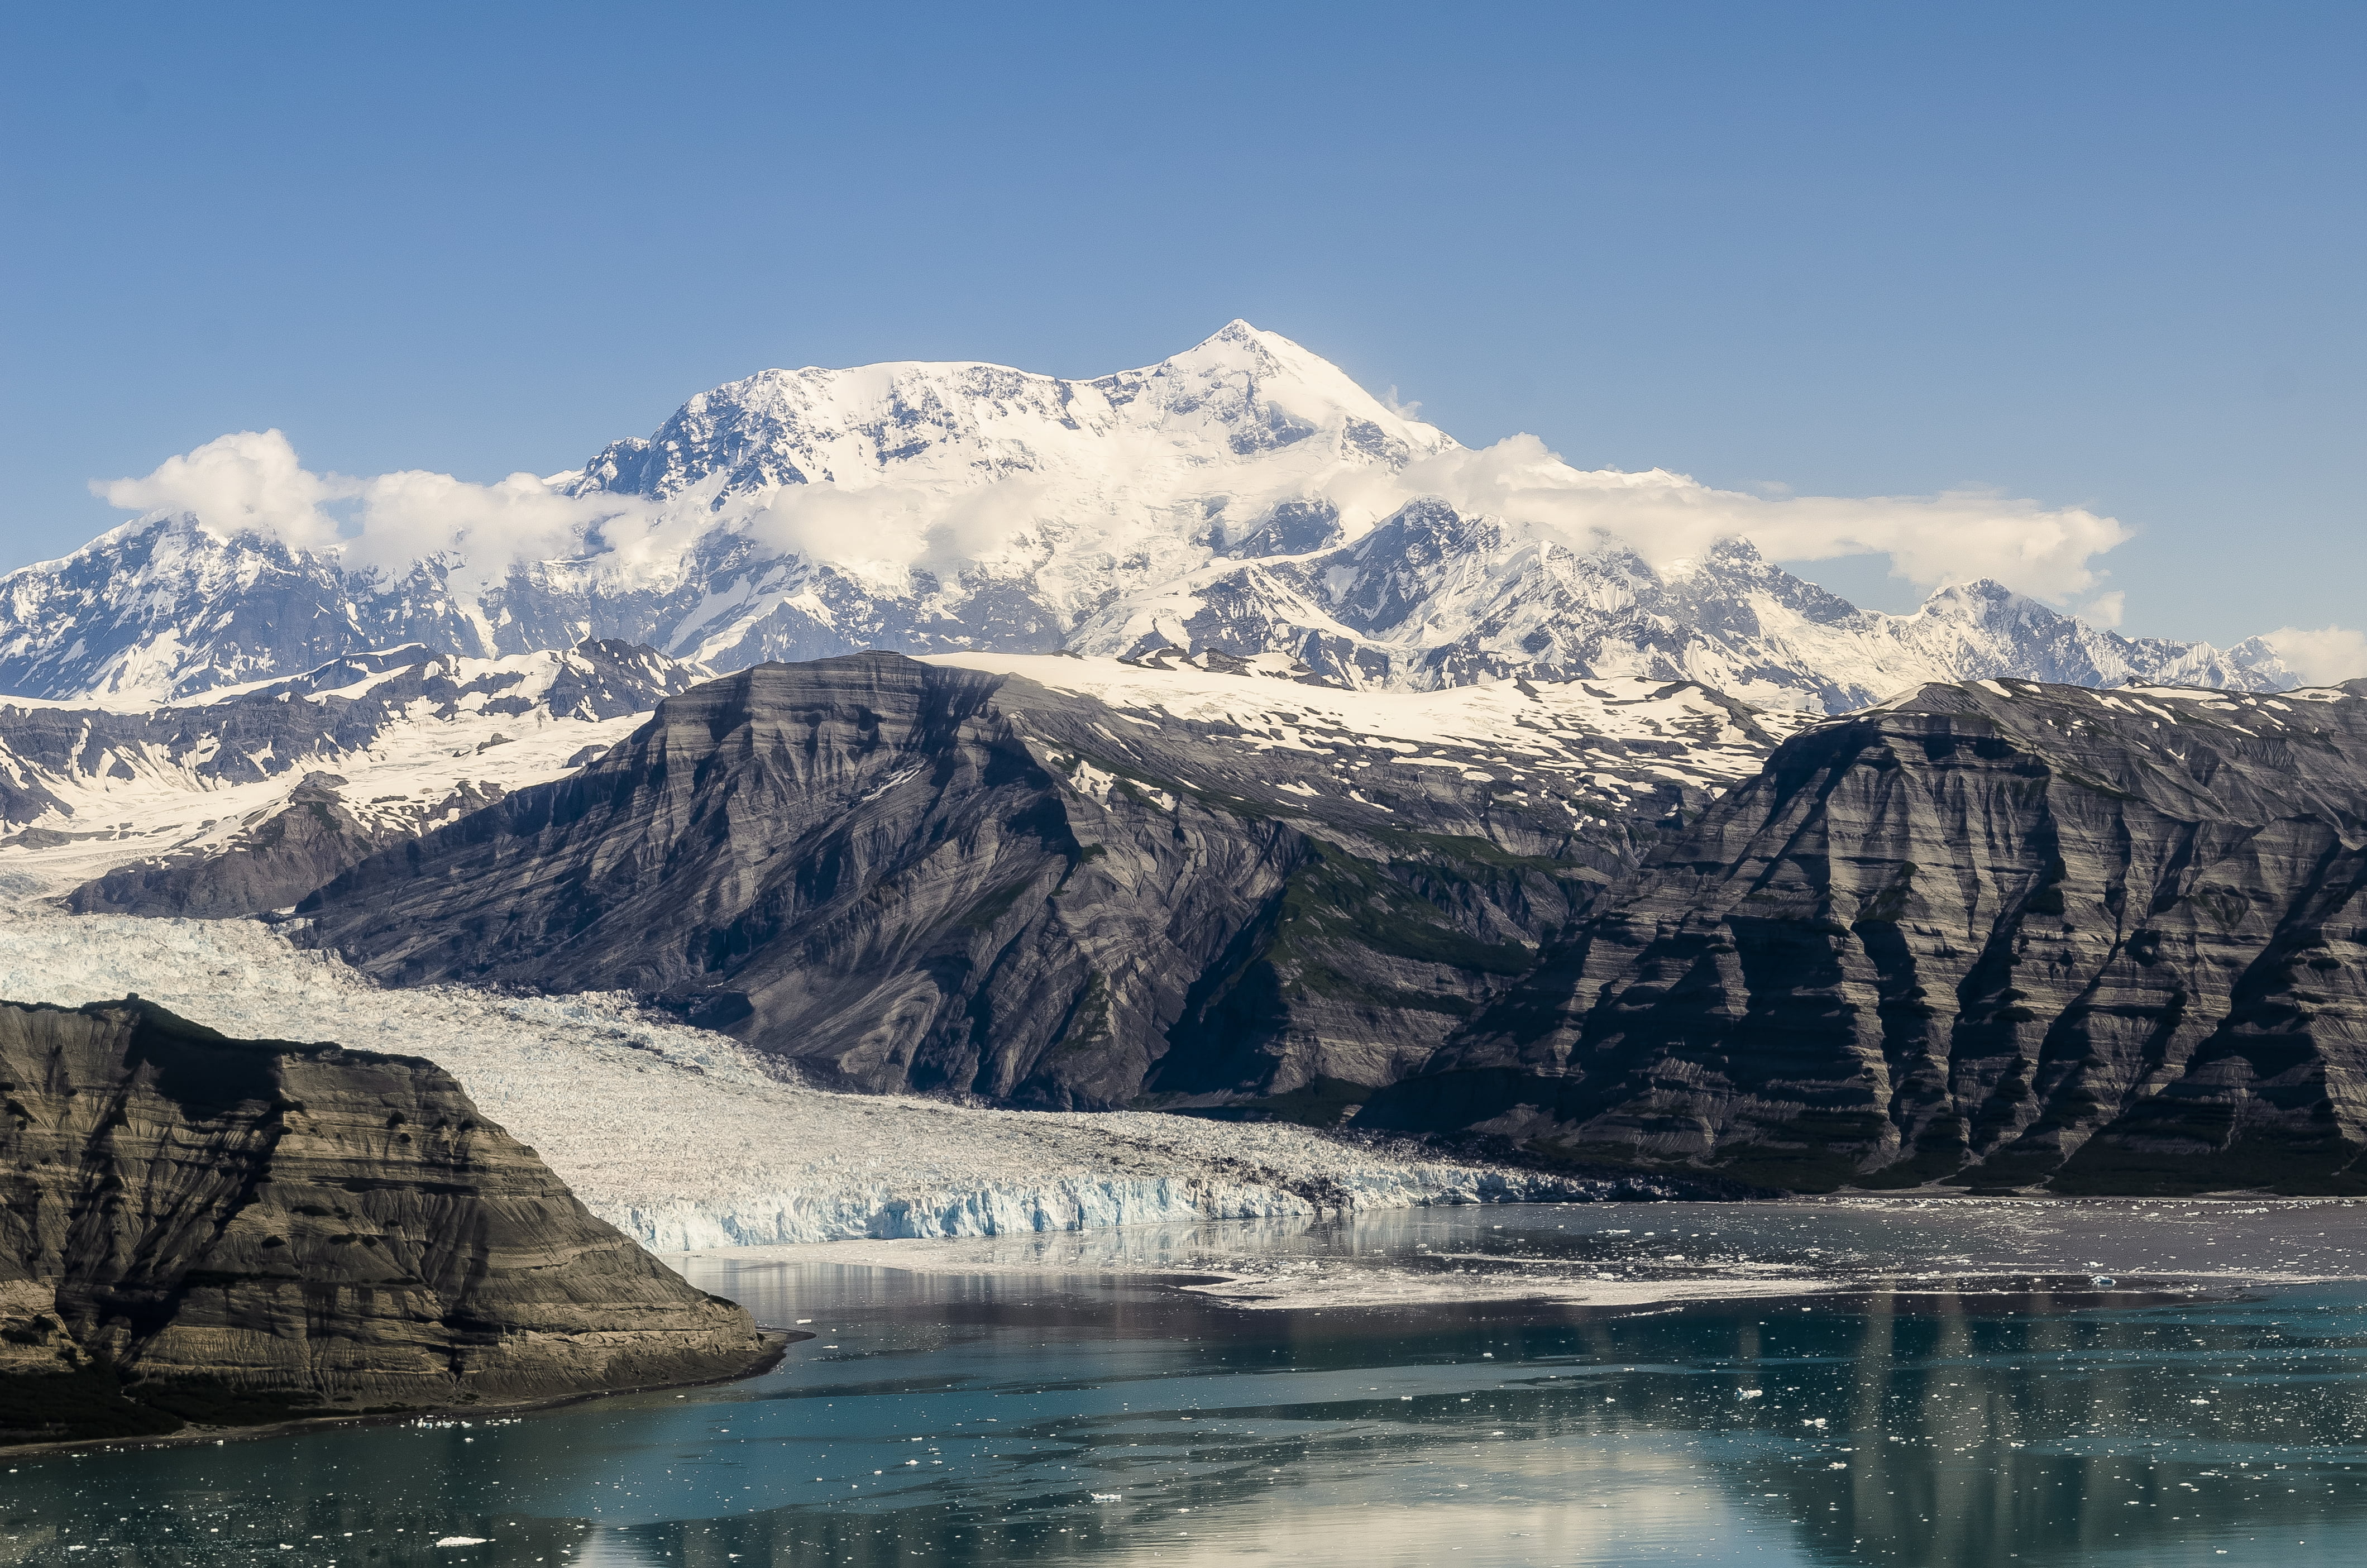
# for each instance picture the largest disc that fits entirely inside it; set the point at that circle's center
(252, 481)
(1954, 536)
(2323, 656)
(255, 481)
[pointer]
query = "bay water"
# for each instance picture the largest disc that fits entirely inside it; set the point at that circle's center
(1897, 1381)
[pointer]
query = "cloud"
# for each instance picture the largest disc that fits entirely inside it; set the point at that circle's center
(888, 527)
(2321, 657)
(253, 481)
(1666, 518)
(250, 480)
(2105, 609)
(400, 518)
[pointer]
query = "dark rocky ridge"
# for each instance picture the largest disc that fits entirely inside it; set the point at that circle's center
(904, 876)
(1992, 936)
(232, 1230)
(296, 847)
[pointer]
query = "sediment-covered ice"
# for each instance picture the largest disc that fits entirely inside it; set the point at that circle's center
(686, 1140)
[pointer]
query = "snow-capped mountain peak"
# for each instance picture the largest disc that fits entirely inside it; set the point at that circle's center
(1244, 496)
(1240, 395)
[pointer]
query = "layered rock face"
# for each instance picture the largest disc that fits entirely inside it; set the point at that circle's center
(229, 1230)
(914, 875)
(1994, 934)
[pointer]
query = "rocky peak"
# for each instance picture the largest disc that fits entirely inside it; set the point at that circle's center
(1229, 497)
(1056, 881)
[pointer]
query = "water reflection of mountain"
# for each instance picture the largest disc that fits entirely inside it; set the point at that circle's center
(1953, 1430)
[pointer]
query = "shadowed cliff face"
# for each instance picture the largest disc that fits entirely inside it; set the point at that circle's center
(903, 874)
(231, 1230)
(1998, 935)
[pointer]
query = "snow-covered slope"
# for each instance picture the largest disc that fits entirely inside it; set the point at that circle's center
(1625, 740)
(1243, 496)
(1430, 598)
(382, 745)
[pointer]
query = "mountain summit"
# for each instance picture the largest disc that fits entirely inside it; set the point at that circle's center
(1244, 497)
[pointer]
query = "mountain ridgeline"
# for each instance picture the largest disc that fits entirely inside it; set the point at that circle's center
(904, 875)
(1211, 737)
(239, 801)
(1244, 496)
(1999, 935)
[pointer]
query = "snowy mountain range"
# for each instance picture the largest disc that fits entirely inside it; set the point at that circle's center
(1244, 497)
(249, 797)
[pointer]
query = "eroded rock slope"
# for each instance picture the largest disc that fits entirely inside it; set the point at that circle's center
(1995, 935)
(229, 1230)
(1199, 882)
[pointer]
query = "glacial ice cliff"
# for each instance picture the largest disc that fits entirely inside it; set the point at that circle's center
(681, 1137)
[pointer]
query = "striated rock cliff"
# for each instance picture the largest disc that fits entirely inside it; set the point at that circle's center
(1992, 934)
(194, 1227)
(1205, 884)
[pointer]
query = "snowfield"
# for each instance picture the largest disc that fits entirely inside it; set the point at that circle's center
(401, 765)
(684, 1140)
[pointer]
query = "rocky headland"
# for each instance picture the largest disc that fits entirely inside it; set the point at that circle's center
(201, 1230)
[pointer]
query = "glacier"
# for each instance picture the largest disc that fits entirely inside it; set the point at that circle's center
(686, 1141)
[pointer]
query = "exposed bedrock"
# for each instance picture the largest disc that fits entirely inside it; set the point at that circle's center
(1992, 934)
(231, 1230)
(903, 875)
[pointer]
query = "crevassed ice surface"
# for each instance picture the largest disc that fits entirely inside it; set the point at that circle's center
(681, 1138)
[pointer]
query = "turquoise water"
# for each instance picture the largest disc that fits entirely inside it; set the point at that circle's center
(2010, 1413)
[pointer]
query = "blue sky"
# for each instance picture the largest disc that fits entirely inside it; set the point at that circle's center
(2102, 256)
